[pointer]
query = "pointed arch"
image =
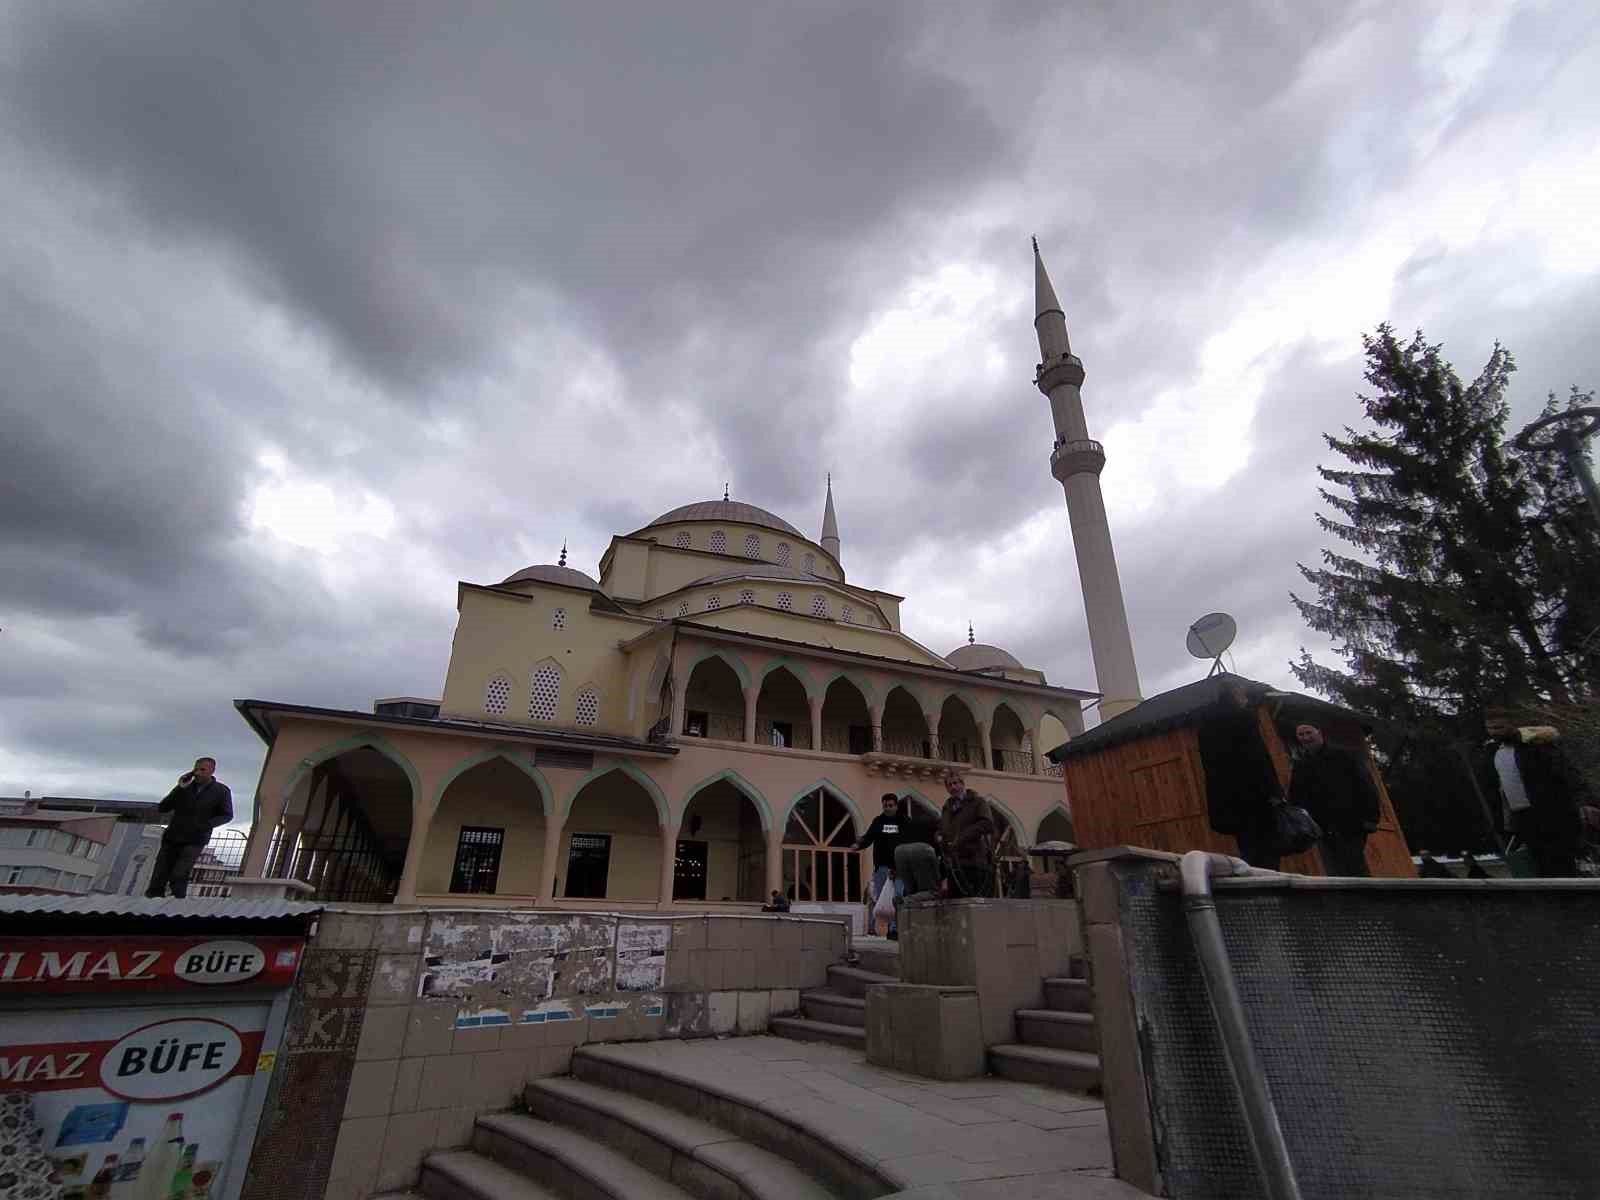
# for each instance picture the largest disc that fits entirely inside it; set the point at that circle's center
(512, 756)
(834, 790)
(802, 676)
(749, 790)
(913, 794)
(1026, 715)
(735, 664)
(652, 789)
(1055, 810)
(868, 692)
(1021, 829)
(376, 741)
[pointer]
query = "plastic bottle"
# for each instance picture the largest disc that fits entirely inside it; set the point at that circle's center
(100, 1186)
(161, 1164)
(184, 1175)
(126, 1184)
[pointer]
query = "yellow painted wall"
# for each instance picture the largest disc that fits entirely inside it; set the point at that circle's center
(834, 634)
(700, 539)
(615, 805)
(496, 800)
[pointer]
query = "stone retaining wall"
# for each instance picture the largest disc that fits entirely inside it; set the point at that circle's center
(405, 1026)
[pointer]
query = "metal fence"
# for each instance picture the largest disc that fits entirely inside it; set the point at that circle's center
(222, 857)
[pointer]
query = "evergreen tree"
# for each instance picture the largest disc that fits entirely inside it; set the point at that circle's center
(1466, 583)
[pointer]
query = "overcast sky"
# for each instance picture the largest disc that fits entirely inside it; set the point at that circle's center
(308, 311)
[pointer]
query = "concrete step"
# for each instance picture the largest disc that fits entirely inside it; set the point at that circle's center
(853, 981)
(1062, 1030)
(802, 1029)
(882, 960)
(703, 1159)
(457, 1174)
(1069, 995)
(823, 1005)
(1070, 1069)
(566, 1161)
(762, 1122)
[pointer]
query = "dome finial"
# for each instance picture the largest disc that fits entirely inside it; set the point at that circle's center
(969, 633)
(725, 491)
(563, 561)
(1035, 245)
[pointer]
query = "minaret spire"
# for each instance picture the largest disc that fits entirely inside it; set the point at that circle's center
(1076, 460)
(563, 561)
(830, 524)
(970, 638)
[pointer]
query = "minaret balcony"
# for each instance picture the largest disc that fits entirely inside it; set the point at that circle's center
(1064, 368)
(1077, 456)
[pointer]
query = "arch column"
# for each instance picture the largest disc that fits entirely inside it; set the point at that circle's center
(424, 806)
(680, 703)
(875, 716)
(751, 695)
(987, 744)
(1038, 746)
(774, 860)
(547, 867)
(816, 721)
(932, 721)
(669, 862)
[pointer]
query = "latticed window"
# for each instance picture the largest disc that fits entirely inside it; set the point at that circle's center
(714, 602)
(811, 563)
(786, 601)
(558, 619)
(588, 706)
(747, 597)
(719, 542)
(819, 606)
(846, 613)
(681, 541)
(683, 609)
(783, 554)
(497, 695)
(545, 694)
(752, 546)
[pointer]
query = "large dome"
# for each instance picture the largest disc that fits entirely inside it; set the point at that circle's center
(758, 570)
(979, 656)
(552, 573)
(733, 511)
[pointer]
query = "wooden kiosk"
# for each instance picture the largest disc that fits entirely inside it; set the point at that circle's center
(1137, 779)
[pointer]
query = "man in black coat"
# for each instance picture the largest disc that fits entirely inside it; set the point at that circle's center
(200, 803)
(1540, 793)
(1336, 788)
(1241, 781)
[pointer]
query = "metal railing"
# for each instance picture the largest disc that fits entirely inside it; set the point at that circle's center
(797, 738)
(222, 857)
(725, 726)
(1017, 762)
(822, 874)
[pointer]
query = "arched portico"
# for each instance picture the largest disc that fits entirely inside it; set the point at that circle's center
(611, 844)
(1055, 826)
(721, 848)
(488, 831)
(819, 864)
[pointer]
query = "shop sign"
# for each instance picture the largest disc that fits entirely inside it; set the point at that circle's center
(145, 964)
(165, 1060)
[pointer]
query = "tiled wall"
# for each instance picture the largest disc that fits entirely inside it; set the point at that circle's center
(407, 1025)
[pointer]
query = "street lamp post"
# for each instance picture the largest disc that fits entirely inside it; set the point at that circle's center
(1568, 432)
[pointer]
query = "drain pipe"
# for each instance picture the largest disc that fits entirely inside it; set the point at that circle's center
(1250, 1083)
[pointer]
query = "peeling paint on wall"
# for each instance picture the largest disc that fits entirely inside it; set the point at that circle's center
(642, 956)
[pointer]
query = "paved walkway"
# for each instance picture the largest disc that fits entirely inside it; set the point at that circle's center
(980, 1139)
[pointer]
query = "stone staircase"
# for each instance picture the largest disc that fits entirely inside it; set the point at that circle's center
(1058, 1046)
(617, 1129)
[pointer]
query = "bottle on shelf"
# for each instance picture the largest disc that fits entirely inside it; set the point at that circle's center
(161, 1164)
(126, 1185)
(100, 1185)
(183, 1177)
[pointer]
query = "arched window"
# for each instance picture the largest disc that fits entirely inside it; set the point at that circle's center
(752, 546)
(786, 601)
(558, 619)
(783, 554)
(819, 606)
(545, 694)
(845, 613)
(681, 541)
(714, 602)
(719, 542)
(811, 564)
(588, 706)
(683, 609)
(497, 696)
(747, 597)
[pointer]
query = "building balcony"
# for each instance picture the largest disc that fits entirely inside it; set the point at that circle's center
(1076, 456)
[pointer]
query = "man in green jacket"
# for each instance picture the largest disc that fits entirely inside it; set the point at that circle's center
(966, 835)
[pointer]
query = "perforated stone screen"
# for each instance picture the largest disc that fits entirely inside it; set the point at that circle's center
(752, 546)
(714, 602)
(588, 706)
(845, 613)
(819, 606)
(497, 696)
(683, 609)
(786, 601)
(546, 693)
(558, 619)
(719, 542)
(783, 554)
(682, 539)
(747, 597)
(811, 563)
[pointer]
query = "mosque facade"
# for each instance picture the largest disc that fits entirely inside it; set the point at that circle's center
(710, 718)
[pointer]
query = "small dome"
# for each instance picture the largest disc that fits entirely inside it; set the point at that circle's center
(980, 656)
(733, 511)
(551, 573)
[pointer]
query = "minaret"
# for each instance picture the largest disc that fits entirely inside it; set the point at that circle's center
(830, 524)
(1077, 461)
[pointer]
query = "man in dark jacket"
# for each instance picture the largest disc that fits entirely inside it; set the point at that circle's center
(1540, 793)
(966, 834)
(885, 833)
(200, 803)
(1241, 780)
(1336, 788)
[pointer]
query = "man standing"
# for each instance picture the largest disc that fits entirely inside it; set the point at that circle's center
(1336, 788)
(966, 829)
(884, 834)
(1540, 793)
(200, 803)
(1241, 782)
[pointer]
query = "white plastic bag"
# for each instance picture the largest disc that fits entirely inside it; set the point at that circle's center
(883, 911)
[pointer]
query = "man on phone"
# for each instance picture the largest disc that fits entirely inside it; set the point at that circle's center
(200, 803)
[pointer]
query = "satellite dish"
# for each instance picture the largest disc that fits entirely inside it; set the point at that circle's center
(1210, 636)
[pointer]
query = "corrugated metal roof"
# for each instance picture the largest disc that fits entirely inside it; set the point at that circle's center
(209, 908)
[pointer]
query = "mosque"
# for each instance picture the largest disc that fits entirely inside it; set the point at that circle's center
(709, 719)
